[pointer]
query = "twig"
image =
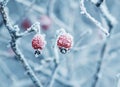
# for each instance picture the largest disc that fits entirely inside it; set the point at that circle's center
(56, 61)
(105, 12)
(98, 24)
(118, 80)
(53, 75)
(111, 21)
(102, 54)
(14, 39)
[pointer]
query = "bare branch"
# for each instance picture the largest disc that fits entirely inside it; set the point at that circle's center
(14, 40)
(98, 24)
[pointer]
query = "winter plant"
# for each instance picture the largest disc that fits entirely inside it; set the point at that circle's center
(59, 43)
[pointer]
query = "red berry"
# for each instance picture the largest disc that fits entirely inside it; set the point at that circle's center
(38, 42)
(65, 41)
(26, 23)
(45, 22)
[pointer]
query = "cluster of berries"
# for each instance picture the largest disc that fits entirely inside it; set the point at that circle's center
(64, 42)
(45, 22)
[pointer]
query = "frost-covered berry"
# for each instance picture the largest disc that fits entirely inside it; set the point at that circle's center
(45, 22)
(38, 42)
(65, 42)
(26, 23)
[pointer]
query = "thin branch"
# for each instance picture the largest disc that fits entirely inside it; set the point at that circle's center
(53, 75)
(14, 40)
(108, 16)
(102, 53)
(98, 24)
(111, 21)
(35, 27)
(105, 12)
(56, 61)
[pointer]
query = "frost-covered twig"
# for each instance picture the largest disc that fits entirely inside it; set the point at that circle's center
(53, 75)
(118, 80)
(98, 24)
(14, 40)
(111, 20)
(102, 53)
(105, 12)
(56, 61)
(35, 27)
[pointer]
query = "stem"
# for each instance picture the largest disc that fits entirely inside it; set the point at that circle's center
(105, 12)
(53, 75)
(98, 24)
(14, 39)
(110, 22)
(99, 64)
(102, 53)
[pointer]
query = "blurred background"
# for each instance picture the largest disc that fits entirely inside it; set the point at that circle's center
(77, 67)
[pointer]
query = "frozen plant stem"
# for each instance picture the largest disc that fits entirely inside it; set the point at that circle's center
(102, 54)
(56, 61)
(105, 12)
(98, 24)
(110, 20)
(15, 35)
(53, 75)
(99, 63)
